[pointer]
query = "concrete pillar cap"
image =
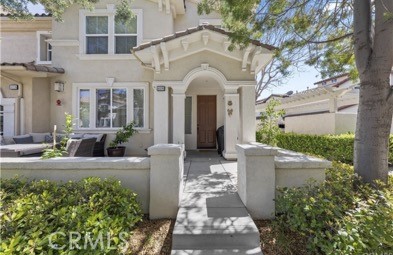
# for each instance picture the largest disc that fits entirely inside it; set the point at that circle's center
(166, 149)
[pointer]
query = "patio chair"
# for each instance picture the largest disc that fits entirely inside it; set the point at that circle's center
(81, 147)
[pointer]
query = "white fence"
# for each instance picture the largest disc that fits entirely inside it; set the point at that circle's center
(158, 180)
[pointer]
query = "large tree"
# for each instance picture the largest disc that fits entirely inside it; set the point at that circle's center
(337, 36)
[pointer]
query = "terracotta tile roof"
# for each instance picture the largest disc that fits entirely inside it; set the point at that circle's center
(194, 30)
(36, 68)
(341, 83)
(264, 100)
(36, 15)
(331, 78)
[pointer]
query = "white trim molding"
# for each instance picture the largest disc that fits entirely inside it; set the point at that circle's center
(38, 58)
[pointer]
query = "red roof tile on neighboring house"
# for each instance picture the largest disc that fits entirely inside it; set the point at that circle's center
(36, 68)
(36, 15)
(194, 30)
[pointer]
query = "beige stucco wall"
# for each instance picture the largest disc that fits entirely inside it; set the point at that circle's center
(4, 86)
(36, 94)
(191, 18)
(18, 46)
(229, 67)
(311, 124)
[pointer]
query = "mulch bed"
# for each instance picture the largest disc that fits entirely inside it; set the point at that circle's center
(273, 242)
(152, 237)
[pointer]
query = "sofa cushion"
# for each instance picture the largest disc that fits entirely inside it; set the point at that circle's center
(97, 136)
(23, 139)
(76, 136)
(49, 138)
(39, 137)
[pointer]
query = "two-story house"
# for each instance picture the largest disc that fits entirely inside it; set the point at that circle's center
(169, 70)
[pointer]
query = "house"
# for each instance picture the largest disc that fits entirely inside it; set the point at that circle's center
(329, 108)
(168, 70)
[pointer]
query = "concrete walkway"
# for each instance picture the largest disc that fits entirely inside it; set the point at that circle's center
(212, 219)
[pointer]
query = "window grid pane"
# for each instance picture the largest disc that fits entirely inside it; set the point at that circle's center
(96, 25)
(119, 107)
(84, 108)
(129, 27)
(188, 116)
(124, 44)
(97, 45)
(103, 109)
(139, 102)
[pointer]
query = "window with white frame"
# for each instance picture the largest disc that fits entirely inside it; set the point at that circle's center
(103, 107)
(44, 48)
(102, 33)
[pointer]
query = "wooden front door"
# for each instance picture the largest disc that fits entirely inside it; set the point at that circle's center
(206, 122)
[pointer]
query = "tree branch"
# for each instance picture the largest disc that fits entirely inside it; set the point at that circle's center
(362, 33)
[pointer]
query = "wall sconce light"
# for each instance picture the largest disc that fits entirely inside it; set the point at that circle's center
(59, 86)
(13, 87)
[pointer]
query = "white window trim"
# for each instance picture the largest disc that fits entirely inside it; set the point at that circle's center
(110, 12)
(38, 59)
(130, 86)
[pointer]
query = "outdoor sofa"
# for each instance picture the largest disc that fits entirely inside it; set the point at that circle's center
(33, 144)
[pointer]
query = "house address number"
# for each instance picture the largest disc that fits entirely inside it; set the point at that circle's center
(160, 88)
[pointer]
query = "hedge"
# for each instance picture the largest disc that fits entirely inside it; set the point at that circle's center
(331, 147)
(38, 217)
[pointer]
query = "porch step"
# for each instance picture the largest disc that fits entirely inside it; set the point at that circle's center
(242, 251)
(214, 228)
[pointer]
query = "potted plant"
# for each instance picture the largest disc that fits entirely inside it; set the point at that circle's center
(122, 136)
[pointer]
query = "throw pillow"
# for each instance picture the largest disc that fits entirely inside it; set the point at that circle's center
(23, 139)
(97, 136)
(39, 137)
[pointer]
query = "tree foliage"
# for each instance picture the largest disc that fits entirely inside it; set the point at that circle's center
(317, 32)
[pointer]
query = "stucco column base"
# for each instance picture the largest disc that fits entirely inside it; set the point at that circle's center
(256, 179)
(166, 173)
(229, 156)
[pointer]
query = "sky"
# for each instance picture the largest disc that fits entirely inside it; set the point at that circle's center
(299, 81)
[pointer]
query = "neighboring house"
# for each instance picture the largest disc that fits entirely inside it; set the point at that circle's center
(180, 84)
(330, 108)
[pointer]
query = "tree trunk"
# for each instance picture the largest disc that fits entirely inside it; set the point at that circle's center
(373, 35)
(373, 127)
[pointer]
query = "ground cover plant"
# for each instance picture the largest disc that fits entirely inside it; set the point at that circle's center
(41, 217)
(341, 216)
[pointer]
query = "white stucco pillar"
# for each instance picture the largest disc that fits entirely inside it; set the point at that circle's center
(231, 130)
(178, 105)
(247, 114)
(161, 116)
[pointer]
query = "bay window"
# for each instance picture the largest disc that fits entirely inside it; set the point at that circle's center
(101, 107)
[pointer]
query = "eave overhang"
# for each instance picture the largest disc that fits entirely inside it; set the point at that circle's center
(159, 53)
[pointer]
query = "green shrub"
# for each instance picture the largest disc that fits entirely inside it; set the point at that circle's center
(331, 147)
(269, 129)
(340, 216)
(32, 211)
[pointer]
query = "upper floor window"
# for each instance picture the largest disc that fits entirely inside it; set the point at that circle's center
(44, 48)
(102, 33)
